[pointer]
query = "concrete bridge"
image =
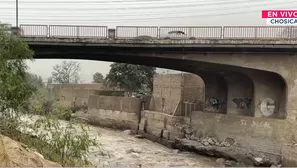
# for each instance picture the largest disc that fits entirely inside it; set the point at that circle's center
(248, 71)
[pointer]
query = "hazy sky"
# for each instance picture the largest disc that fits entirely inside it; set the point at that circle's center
(114, 13)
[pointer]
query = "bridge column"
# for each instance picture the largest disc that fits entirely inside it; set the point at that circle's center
(240, 94)
(215, 92)
(270, 94)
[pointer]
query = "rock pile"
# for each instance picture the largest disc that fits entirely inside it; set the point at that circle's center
(206, 141)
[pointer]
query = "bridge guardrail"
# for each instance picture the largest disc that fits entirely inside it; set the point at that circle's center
(256, 32)
(201, 32)
(34, 30)
(164, 32)
(73, 31)
(131, 32)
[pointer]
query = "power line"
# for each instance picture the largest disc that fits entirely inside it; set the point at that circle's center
(109, 2)
(87, 1)
(142, 19)
(45, 20)
(142, 14)
(151, 14)
(180, 5)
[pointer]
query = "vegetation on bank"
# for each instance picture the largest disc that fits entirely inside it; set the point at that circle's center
(20, 94)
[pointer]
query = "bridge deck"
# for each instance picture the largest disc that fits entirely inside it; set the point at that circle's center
(162, 42)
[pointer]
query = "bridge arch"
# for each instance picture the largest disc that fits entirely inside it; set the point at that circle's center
(270, 94)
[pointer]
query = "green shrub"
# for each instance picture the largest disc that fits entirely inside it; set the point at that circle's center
(62, 112)
(71, 142)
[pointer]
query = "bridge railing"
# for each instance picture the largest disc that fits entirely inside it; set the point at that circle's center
(72, 31)
(203, 32)
(34, 30)
(131, 32)
(256, 32)
(154, 32)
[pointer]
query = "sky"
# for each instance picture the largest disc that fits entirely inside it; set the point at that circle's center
(114, 13)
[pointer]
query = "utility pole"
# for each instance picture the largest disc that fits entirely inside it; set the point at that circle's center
(17, 13)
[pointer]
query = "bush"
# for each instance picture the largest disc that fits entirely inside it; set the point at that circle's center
(37, 104)
(71, 142)
(61, 111)
(67, 145)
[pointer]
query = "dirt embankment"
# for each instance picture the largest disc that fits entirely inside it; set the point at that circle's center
(15, 154)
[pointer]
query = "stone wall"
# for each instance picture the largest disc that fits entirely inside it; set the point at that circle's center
(161, 125)
(113, 112)
(171, 90)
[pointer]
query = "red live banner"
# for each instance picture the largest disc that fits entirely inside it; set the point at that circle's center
(279, 14)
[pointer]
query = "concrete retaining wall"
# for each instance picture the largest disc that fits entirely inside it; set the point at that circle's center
(267, 136)
(262, 134)
(113, 112)
(111, 119)
(161, 125)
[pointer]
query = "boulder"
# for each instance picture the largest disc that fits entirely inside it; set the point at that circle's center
(221, 160)
(13, 154)
(128, 132)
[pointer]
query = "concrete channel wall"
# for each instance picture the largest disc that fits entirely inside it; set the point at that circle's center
(113, 112)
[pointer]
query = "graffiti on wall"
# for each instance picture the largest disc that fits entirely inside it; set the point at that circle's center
(214, 105)
(267, 106)
(242, 103)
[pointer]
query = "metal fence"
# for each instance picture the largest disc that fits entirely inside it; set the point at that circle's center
(130, 32)
(154, 32)
(70, 31)
(256, 32)
(34, 30)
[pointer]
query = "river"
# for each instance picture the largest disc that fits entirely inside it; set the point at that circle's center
(128, 151)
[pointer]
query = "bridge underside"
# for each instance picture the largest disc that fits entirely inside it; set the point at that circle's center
(239, 83)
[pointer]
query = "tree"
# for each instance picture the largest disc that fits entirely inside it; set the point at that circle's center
(49, 80)
(67, 72)
(34, 80)
(98, 78)
(131, 78)
(14, 89)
